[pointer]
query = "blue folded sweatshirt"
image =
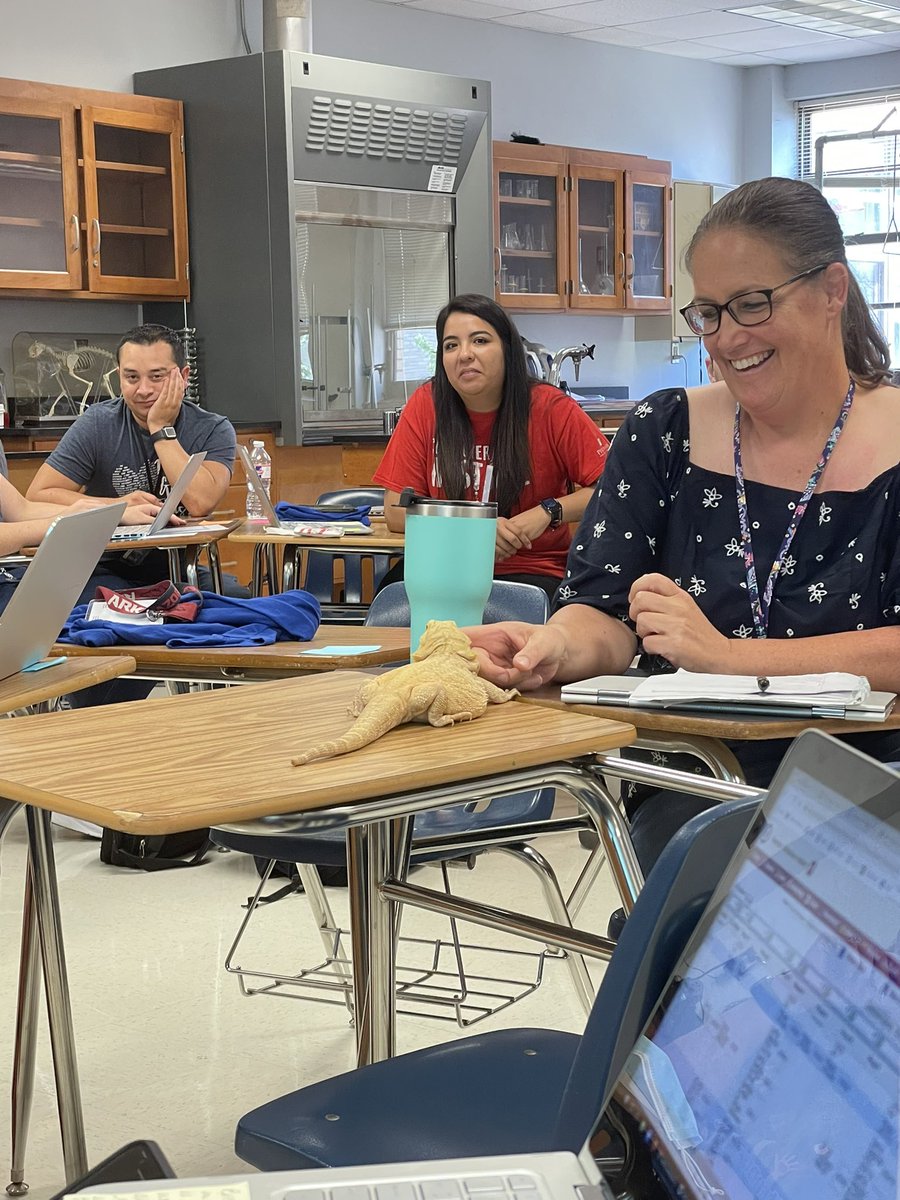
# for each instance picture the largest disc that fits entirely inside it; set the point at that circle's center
(223, 621)
(299, 512)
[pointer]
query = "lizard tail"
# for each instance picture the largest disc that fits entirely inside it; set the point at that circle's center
(380, 716)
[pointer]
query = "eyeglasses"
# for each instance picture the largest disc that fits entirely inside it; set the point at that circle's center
(749, 308)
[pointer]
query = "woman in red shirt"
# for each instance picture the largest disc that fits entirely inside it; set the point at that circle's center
(482, 429)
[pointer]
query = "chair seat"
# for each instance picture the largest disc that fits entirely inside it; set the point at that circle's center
(328, 847)
(497, 1093)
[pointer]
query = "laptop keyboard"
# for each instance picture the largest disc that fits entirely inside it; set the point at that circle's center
(517, 1186)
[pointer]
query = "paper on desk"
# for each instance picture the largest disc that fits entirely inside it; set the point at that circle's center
(337, 651)
(837, 687)
(206, 1191)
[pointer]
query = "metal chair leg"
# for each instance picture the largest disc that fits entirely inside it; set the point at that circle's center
(25, 1042)
(526, 853)
(329, 930)
(586, 880)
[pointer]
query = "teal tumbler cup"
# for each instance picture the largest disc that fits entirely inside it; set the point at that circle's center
(448, 561)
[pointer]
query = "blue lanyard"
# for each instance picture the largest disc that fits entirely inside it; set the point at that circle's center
(760, 604)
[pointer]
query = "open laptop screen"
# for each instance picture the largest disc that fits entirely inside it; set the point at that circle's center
(772, 1067)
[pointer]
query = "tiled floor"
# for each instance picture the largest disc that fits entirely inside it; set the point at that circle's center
(167, 1046)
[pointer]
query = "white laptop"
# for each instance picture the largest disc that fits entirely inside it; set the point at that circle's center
(325, 527)
(49, 589)
(137, 533)
(771, 1067)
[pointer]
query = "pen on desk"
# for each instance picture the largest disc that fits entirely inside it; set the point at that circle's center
(762, 684)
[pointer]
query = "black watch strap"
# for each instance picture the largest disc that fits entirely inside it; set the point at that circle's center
(166, 434)
(553, 509)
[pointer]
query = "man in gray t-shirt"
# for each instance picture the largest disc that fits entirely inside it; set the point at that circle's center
(133, 447)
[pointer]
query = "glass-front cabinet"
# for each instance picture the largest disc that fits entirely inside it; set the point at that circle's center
(581, 229)
(92, 192)
(529, 212)
(648, 270)
(40, 232)
(597, 261)
(133, 175)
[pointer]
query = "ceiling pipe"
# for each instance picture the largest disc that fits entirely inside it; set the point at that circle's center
(287, 25)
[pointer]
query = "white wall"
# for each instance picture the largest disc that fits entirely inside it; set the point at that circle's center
(573, 92)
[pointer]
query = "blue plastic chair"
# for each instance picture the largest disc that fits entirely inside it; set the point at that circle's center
(513, 1090)
(508, 600)
(362, 570)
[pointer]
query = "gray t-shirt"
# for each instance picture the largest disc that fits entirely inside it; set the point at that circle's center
(108, 453)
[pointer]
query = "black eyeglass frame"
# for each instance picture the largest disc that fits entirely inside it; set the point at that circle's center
(720, 308)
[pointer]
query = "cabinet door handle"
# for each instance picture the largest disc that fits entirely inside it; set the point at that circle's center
(498, 259)
(76, 232)
(630, 275)
(621, 258)
(95, 229)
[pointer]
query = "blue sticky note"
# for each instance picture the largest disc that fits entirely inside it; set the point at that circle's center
(45, 662)
(336, 651)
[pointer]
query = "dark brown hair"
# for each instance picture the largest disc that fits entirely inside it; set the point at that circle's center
(149, 335)
(453, 430)
(797, 219)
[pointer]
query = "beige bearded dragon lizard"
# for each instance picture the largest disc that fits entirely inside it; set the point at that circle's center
(440, 686)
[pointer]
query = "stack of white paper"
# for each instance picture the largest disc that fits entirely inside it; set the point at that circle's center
(830, 687)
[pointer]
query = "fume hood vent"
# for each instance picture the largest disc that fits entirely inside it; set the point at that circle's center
(341, 125)
(368, 141)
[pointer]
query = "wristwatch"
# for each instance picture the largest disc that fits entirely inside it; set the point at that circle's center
(166, 434)
(553, 508)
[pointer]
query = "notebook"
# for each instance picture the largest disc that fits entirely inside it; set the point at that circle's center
(630, 691)
(329, 528)
(136, 533)
(49, 589)
(771, 1067)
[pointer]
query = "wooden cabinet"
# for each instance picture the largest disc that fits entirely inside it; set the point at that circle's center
(581, 229)
(92, 193)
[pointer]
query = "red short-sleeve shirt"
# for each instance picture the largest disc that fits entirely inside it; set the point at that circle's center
(567, 452)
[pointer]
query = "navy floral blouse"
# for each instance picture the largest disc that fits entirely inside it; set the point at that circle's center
(654, 510)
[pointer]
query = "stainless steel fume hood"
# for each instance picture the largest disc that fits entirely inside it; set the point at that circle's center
(334, 206)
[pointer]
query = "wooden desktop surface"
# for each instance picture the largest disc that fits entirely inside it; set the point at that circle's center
(195, 536)
(734, 727)
(181, 762)
(393, 643)
(380, 538)
(26, 688)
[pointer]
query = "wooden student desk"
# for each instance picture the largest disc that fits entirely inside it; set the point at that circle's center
(242, 739)
(704, 735)
(380, 540)
(252, 664)
(28, 690)
(193, 542)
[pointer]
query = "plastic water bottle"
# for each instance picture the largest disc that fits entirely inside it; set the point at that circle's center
(260, 458)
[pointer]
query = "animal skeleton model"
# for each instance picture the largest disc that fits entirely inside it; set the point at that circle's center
(89, 360)
(439, 687)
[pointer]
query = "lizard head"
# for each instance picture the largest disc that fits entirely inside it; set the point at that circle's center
(443, 637)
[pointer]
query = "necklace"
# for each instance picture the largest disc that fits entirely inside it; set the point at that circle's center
(760, 604)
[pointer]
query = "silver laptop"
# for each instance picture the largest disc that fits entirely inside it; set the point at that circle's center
(273, 519)
(49, 589)
(136, 533)
(771, 1067)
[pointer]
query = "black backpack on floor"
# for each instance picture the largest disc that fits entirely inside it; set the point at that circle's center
(157, 852)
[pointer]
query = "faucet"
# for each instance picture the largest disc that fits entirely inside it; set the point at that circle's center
(576, 353)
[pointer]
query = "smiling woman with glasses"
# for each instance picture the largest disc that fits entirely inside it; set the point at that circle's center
(752, 526)
(748, 308)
